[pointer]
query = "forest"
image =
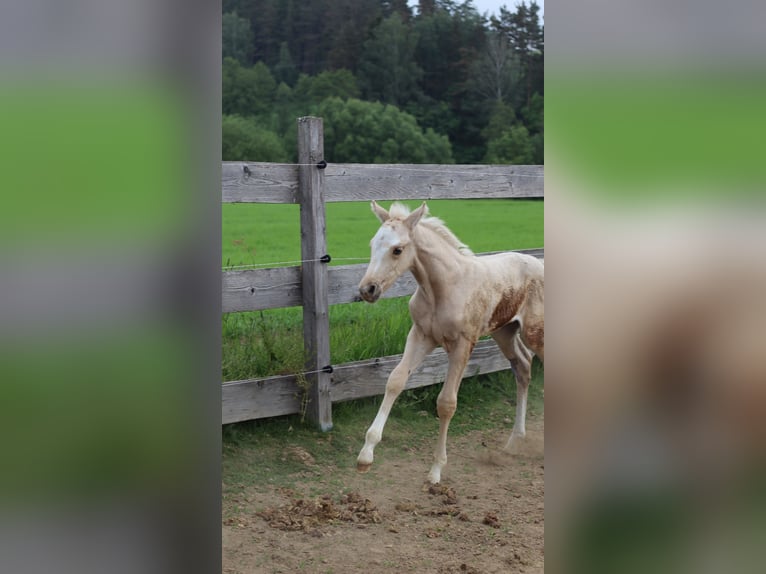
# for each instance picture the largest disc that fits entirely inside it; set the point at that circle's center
(436, 82)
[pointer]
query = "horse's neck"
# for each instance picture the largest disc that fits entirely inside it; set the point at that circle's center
(436, 267)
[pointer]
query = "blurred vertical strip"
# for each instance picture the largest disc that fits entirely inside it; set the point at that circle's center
(655, 281)
(110, 286)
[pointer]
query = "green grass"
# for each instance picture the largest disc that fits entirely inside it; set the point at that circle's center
(270, 342)
(260, 234)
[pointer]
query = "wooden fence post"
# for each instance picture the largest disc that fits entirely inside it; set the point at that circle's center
(316, 323)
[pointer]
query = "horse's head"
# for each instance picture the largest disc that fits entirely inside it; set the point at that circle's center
(392, 249)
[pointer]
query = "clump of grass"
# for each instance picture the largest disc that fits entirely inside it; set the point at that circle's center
(261, 343)
(266, 343)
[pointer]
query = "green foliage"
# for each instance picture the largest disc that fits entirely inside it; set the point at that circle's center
(285, 70)
(447, 66)
(496, 71)
(508, 141)
(449, 38)
(237, 38)
(433, 114)
(533, 113)
(247, 91)
(500, 121)
(245, 139)
(388, 71)
(365, 132)
(336, 83)
(538, 145)
(527, 40)
(513, 146)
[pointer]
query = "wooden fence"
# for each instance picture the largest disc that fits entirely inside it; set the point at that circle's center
(315, 285)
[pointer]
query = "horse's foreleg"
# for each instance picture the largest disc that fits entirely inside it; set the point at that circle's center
(446, 403)
(416, 349)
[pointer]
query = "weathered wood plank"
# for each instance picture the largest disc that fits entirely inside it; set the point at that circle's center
(316, 321)
(278, 183)
(364, 182)
(281, 395)
(260, 398)
(358, 380)
(257, 289)
(246, 182)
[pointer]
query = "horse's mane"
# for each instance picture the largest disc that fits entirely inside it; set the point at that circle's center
(401, 211)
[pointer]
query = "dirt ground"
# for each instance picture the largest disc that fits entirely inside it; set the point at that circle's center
(486, 516)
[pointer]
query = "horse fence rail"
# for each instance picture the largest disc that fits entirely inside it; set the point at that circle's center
(315, 285)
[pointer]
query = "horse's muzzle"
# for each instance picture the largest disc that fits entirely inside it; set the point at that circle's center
(370, 292)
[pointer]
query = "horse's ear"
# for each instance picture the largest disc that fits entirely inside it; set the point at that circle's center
(379, 212)
(414, 217)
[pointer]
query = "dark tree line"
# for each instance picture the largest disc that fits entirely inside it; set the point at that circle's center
(439, 83)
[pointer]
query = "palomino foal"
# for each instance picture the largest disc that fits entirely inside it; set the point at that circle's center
(459, 298)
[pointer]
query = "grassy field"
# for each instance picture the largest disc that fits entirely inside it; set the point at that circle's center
(270, 342)
(257, 234)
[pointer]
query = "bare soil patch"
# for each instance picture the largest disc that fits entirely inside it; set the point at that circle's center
(485, 517)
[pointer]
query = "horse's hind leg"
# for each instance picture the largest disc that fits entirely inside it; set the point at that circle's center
(520, 358)
(416, 349)
(521, 366)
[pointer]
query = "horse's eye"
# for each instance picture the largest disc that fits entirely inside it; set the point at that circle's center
(397, 251)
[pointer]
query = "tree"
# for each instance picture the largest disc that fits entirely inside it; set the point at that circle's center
(265, 20)
(527, 38)
(340, 83)
(426, 7)
(449, 42)
(433, 114)
(237, 38)
(439, 60)
(244, 139)
(500, 121)
(388, 71)
(365, 132)
(533, 114)
(400, 7)
(496, 70)
(285, 110)
(513, 146)
(449, 39)
(285, 70)
(247, 91)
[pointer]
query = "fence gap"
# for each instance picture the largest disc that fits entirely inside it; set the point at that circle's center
(316, 323)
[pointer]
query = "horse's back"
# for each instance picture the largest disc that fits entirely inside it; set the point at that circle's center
(514, 266)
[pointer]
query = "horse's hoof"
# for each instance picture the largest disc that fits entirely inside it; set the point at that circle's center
(362, 467)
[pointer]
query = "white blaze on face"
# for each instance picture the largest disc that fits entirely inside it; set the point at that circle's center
(381, 259)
